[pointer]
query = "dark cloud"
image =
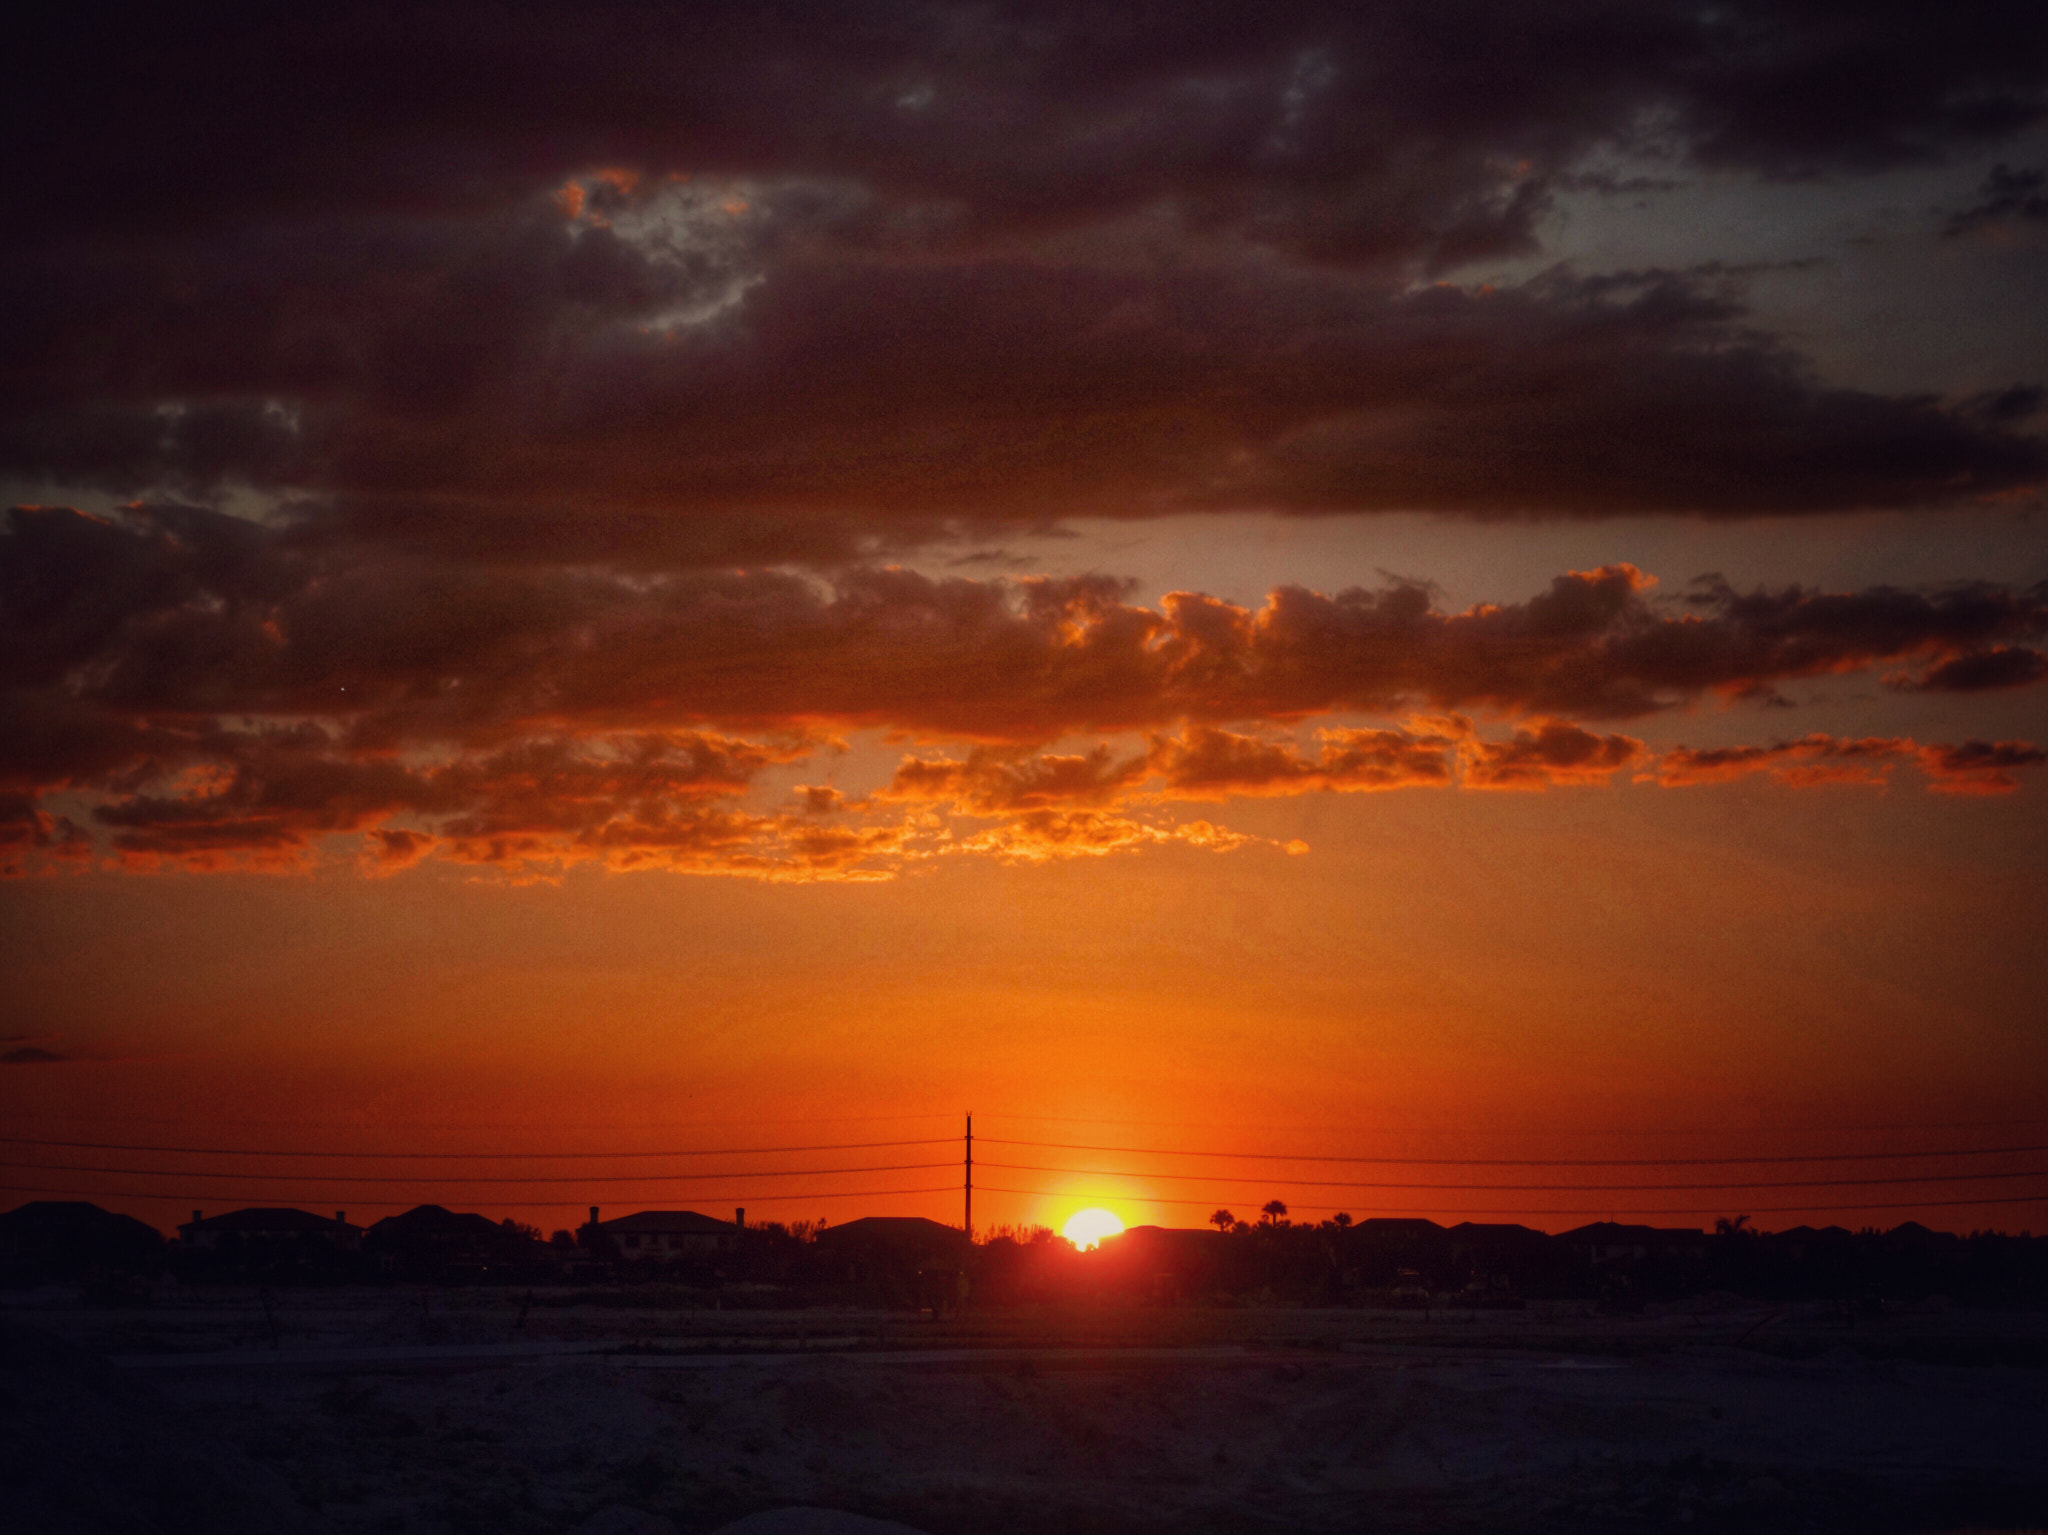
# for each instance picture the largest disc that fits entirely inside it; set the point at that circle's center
(130, 640)
(1979, 671)
(30, 833)
(995, 782)
(698, 288)
(2007, 195)
(269, 796)
(1971, 767)
(1978, 767)
(1207, 763)
(1550, 753)
(1809, 761)
(847, 403)
(1337, 126)
(30, 1055)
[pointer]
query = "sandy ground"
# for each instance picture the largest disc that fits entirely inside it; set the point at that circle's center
(390, 1411)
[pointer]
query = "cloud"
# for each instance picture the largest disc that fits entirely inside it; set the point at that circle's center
(2007, 196)
(996, 782)
(1978, 767)
(852, 402)
(128, 638)
(267, 797)
(30, 1055)
(1971, 767)
(1806, 762)
(1285, 121)
(29, 832)
(182, 689)
(1206, 763)
(1979, 671)
(1550, 754)
(390, 849)
(583, 284)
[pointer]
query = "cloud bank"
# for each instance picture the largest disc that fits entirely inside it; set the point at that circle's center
(180, 688)
(609, 282)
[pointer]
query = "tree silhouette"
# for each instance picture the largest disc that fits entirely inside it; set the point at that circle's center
(1223, 1220)
(1341, 1220)
(1272, 1210)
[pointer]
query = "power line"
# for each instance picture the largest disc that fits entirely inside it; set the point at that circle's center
(1242, 1156)
(581, 1180)
(504, 1204)
(1581, 1133)
(666, 1123)
(1526, 1188)
(1284, 1156)
(1290, 1127)
(1903, 1204)
(472, 1156)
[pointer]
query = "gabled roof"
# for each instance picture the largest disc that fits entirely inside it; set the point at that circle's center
(436, 1220)
(1913, 1231)
(1506, 1230)
(1413, 1225)
(672, 1222)
(269, 1220)
(75, 1217)
(894, 1229)
(1161, 1240)
(1615, 1231)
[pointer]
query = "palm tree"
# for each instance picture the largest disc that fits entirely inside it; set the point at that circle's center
(1223, 1220)
(1272, 1210)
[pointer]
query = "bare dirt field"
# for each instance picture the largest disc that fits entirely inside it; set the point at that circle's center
(439, 1411)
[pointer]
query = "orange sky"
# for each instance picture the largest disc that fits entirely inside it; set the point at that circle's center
(1621, 973)
(1275, 579)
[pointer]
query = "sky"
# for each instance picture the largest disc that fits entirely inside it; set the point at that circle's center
(1433, 583)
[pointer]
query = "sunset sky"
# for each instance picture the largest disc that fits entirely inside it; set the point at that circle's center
(1446, 580)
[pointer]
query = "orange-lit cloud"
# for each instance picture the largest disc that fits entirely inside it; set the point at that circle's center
(1969, 767)
(1207, 763)
(1550, 753)
(176, 612)
(205, 693)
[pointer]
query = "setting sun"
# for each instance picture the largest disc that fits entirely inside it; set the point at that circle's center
(1087, 1228)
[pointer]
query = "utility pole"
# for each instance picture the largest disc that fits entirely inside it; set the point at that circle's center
(967, 1188)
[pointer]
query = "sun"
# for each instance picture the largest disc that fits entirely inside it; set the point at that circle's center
(1086, 1228)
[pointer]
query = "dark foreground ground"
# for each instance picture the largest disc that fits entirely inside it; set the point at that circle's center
(486, 1411)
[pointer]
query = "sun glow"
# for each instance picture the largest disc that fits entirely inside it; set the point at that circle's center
(1086, 1228)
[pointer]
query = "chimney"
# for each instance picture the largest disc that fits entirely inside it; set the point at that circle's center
(341, 1217)
(198, 1216)
(739, 1217)
(593, 1215)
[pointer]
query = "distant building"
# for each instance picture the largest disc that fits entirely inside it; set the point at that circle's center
(53, 1237)
(902, 1237)
(430, 1240)
(243, 1229)
(1404, 1236)
(1803, 1243)
(1497, 1260)
(1610, 1242)
(904, 1258)
(1390, 1250)
(1165, 1262)
(664, 1236)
